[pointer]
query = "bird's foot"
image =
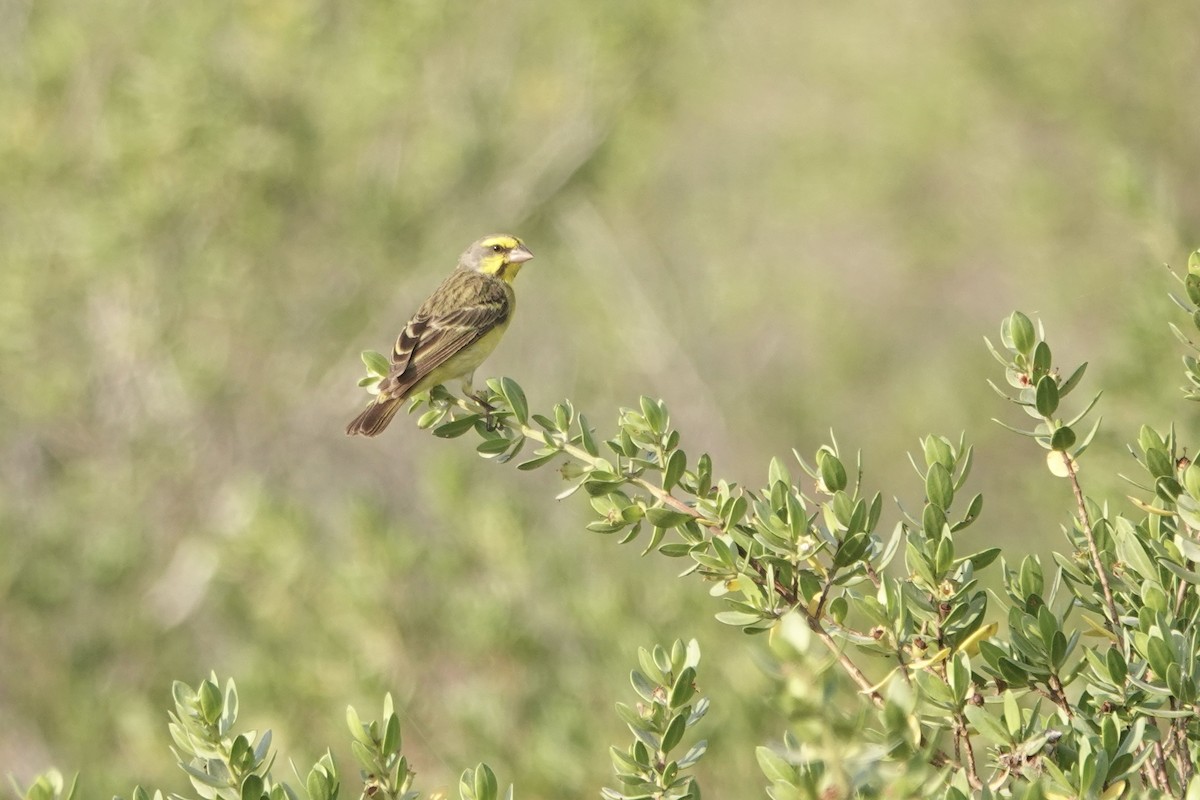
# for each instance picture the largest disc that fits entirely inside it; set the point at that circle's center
(488, 420)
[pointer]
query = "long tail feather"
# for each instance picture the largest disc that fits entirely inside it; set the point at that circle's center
(375, 418)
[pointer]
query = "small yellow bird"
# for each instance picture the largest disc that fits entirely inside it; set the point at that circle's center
(453, 331)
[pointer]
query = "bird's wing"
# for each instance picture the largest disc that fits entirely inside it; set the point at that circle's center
(477, 304)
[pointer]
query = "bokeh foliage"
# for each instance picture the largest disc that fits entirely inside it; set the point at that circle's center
(779, 218)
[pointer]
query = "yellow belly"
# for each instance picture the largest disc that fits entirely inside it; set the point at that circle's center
(462, 364)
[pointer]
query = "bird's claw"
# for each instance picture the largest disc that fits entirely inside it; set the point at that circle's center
(488, 420)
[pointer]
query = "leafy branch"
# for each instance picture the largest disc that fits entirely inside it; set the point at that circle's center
(769, 552)
(814, 553)
(667, 709)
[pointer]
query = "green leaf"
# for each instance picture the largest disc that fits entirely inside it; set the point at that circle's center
(1062, 439)
(430, 417)
(778, 473)
(1070, 383)
(656, 537)
(691, 652)
(1018, 333)
(939, 487)
(241, 756)
(1041, 359)
(677, 656)
(622, 762)
(833, 474)
(674, 733)
(650, 667)
(1192, 284)
(1182, 573)
(1114, 662)
(364, 754)
(391, 735)
(737, 618)
(1191, 480)
(514, 395)
(959, 675)
(676, 466)
(210, 702)
(1158, 462)
(684, 688)
(1131, 550)
(492, 447)
(317, 786)
(457, 427)
(916, 561)
(600, 483)
(629, 716)
(851, 550)
(564, 415)
(1189, 511)
(631, 535)
(1188, 548)
(1022, 432)
(1004, 362)
(1012, 715)
(587, 438)
(1168, 488)
(987, 725)
(1148, 439)
(229, 709)
(693, 754)
(655, 413)
(983, 558)
(938, 451)
(538, 461)
(933, 520)
(661, 517)
(943, 556)
(774, 766)
(723, 553)
(376, 363)
(1179, 334)
(1047, 396)
(1165, 713)
(486, 787)
(643, 685)
(1159, 654)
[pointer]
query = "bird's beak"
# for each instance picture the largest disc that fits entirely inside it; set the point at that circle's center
(519, 255)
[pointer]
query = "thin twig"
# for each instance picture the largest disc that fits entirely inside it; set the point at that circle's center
(1114, 619)
(1160, 764)
(1059, 696)
(820, 606)
(873, 575)
(839, 652)
(960, 726)
(962, 739)
(1183, 763)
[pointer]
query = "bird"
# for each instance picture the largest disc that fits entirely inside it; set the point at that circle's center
(453, 331)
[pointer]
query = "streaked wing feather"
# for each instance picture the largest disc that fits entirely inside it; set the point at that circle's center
(429, 341)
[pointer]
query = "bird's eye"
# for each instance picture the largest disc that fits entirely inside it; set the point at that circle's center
(497, 248)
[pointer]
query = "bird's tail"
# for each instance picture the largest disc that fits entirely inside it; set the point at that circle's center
(375, 417)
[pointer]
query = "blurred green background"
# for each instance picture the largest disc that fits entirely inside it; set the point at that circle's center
(778, 217)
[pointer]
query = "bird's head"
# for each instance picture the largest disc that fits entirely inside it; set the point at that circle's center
(499, 254)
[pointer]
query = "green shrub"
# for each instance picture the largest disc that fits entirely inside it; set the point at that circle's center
(902, 673)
